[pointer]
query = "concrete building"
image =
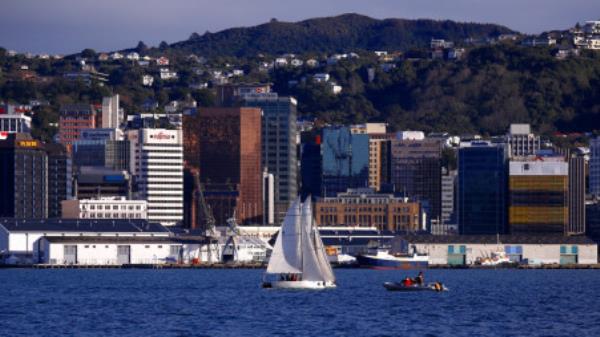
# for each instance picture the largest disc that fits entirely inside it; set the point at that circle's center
(365, 208)
(279, 153)
(60, 178)
(369, 128)
(112, 116)
(73, 119)
(482, 191)
(533, 250)
(379, 160)
(522, 141)
(97, 182)
(538, 196)
(19, 238)
(345, 160)
(416, 169)
(594, 173)
(23, 177)
(448, 200)
(225, 144)
(15, 123)
(159, 173)
(576, 198)
(105, 208)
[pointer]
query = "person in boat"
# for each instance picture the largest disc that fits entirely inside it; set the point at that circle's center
(438, 286)
(420, 279)
(407, 282)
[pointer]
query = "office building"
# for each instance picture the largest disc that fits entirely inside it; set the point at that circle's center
(576, 199)
(73, 119)
(60, 178)
(23, 173)
(345, 160)
(416, 173)
(369, 128)
(594, 172)
(363, 207)
(97, 182)
(448, 191)
(379, 160)
(538, 191)
(113, 154)
(522, 142)
(111, 112)
(310, 166)
(279, 153)
(159, 174)
(105, 208)
(482, 187)
(14, 122)
(225, 143)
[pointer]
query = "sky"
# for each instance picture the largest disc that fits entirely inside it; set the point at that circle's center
(68, 26)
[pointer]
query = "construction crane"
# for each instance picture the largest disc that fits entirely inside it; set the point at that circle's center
(232, 241)
(208, 227)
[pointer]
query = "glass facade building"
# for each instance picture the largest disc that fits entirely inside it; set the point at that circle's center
(482, 192)
(345, 160)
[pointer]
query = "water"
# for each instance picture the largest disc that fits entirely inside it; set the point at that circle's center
(230, 303)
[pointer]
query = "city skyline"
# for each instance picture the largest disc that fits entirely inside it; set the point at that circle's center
(66, 26)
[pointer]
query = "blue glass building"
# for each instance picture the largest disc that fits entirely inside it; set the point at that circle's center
(482, 188)
(345, 160)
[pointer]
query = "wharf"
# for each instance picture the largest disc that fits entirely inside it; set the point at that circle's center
(145, 266)
(520, 266)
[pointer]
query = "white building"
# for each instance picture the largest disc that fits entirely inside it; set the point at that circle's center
(147, 80)
(321, 77)
(410, 135)
(15, 123)
(112, 116)
(533, 250)
(105, 208)
(159, 173)
(18, 238)
(522, 141)
(166, 74)
(334, 88)
(133, 56)
(594, 172)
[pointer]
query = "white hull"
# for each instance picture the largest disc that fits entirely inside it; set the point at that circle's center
(302, 285)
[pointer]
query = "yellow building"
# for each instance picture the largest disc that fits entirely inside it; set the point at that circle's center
(538, 192)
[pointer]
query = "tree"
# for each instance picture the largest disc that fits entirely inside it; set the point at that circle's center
(88, 53)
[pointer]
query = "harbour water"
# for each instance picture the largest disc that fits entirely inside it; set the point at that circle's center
(116, 302)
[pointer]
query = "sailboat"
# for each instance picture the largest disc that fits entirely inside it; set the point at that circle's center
(298, 260)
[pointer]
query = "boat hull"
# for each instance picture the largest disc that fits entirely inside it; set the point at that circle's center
(365, 261)
(316, 285)
(396, 286)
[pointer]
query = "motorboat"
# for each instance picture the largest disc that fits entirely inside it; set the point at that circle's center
(384, 260)
(298, 260)
(399, 286)
(496, 258)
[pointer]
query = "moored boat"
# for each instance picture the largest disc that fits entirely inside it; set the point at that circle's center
(299, 260)
(399, 286)
(384, 260)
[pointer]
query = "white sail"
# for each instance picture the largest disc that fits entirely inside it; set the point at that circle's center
(310, 262)
(287, 255)
(316, 244)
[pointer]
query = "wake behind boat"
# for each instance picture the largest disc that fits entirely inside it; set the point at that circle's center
(299, 260)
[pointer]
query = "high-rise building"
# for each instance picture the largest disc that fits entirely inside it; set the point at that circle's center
(416, 173)
(576, 201)
(225, 144)
(96, 182)
(594, 173)
(310, 166)
(364, 207)
(23, 176)
(345, 160)
(448, 191)
(538, 191)
(111, 113)
(379, 160)
(482, 188)
(522, 141)
(60, 178)
(110, 151)
(159, 173)
(73, 119)
(279, 153)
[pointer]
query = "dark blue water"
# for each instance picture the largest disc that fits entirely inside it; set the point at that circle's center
(230, 303)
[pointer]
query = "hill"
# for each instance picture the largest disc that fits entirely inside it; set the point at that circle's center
(344, 33)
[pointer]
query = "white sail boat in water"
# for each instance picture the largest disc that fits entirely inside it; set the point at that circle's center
(298, 260)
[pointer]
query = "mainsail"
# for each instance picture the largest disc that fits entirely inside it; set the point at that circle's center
(326, 273)
(287, 255)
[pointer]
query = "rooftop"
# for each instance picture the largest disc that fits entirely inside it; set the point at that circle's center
(492, 239)
(82, 225)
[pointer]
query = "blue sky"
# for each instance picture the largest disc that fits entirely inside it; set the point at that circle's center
(66, 26)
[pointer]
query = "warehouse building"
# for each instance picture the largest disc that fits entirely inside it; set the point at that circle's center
(533, 250)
